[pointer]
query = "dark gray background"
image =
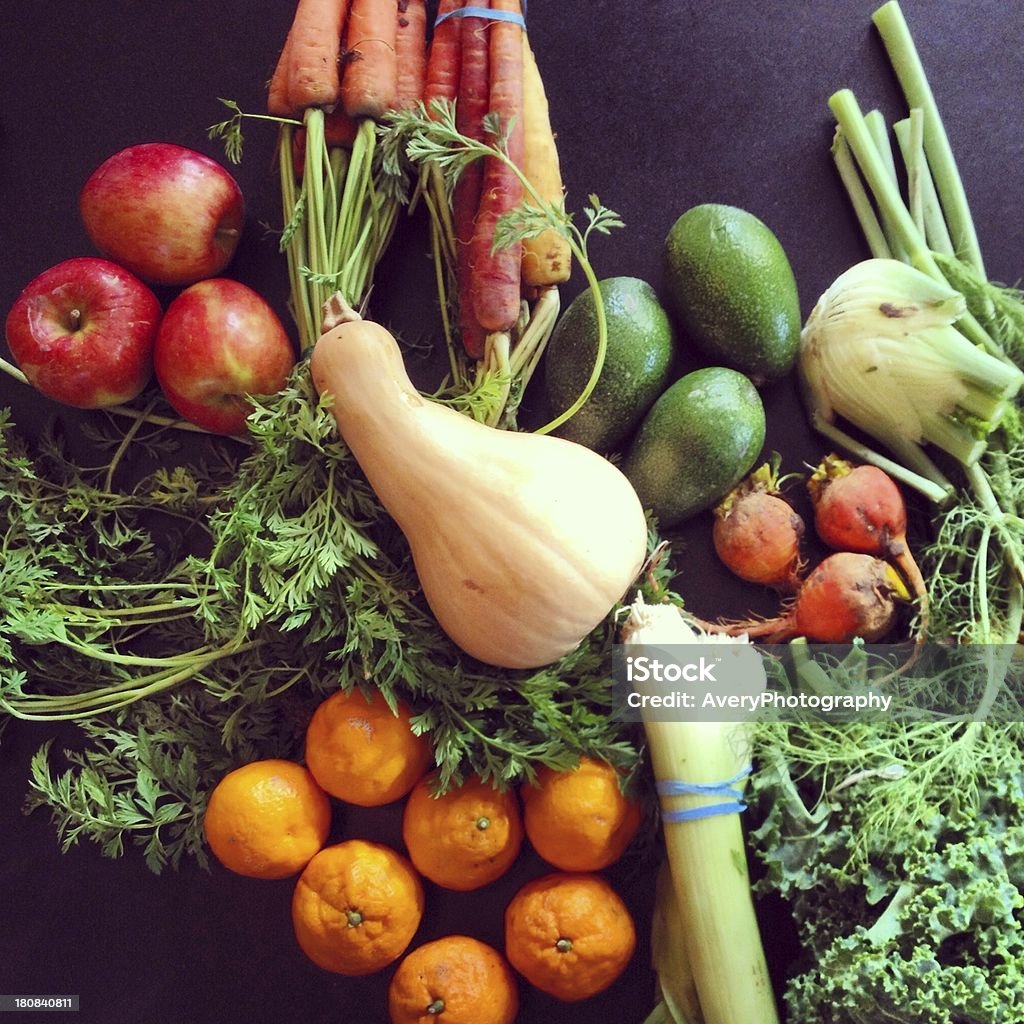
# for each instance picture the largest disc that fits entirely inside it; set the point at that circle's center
(659, 105)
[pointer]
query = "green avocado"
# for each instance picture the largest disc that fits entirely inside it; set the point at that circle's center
(698, 441)
(637, 363)
(731, 285)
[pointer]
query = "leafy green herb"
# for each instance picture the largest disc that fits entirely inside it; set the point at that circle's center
(432, 140)
(193, 620)
(230, 130)
(125, 787)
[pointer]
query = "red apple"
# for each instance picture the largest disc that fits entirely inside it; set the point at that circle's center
(83, 333)
(219, 341)
(169, 214)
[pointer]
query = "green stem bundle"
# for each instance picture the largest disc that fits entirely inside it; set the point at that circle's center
(339, 218)
(906, 62)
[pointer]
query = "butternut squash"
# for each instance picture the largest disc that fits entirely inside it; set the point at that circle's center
(522, 542)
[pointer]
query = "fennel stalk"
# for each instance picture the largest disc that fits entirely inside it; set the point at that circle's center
(980, 534)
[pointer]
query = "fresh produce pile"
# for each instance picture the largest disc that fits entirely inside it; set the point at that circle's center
(293, 577)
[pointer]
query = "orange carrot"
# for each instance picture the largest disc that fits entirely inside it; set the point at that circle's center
(339, 128)
(369, 82)
(471, 106)
(442, 78)
(411, 52)
(547, 258)
(277, 92)
(496, 272)
(313, 51)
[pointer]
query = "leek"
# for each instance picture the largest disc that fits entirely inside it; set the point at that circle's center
(707, 856)
(678, 1004)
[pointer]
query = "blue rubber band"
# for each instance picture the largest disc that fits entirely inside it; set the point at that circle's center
(674, 787)
(706, 811)
(482, 12)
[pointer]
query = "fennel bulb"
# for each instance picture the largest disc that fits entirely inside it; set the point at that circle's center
(881, 350)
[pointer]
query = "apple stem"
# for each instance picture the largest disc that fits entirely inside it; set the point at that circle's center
(74, 319)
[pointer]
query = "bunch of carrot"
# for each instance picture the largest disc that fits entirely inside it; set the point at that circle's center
(506, 295)
(379, 67)
(343, 66)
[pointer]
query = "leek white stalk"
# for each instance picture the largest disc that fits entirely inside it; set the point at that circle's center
(679, 1003)
(707, 856)
(880, 350)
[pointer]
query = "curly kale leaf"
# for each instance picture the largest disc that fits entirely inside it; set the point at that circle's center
(921, 924)
(949, 947)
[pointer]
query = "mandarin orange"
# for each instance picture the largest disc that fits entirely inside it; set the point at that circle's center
(570, 935)
(356, 907)
(464, 838)
(580, 820)
(455, 980)
(362, 752)
(267, 818)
